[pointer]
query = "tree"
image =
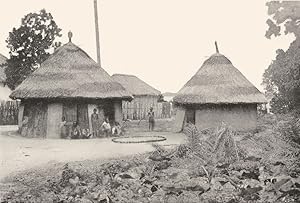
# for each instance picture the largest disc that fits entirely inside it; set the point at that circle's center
(282, 78)
(30, 45)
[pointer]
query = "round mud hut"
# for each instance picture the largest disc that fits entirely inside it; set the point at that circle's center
(70, 85)
(145, 96)
(218, 93)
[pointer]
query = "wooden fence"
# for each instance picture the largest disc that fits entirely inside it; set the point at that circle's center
(139, 111)
(133, 111)
(9, 112)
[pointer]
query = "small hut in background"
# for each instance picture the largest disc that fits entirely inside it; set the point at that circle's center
(68, 84)
(5, 91)
(217, 93)
(144, 95)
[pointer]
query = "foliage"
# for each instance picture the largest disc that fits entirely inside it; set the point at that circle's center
(181, 174)
(29, 45)
(286, 13)
(282, 78)
(9, 113)
(289, 128)
(213, 146)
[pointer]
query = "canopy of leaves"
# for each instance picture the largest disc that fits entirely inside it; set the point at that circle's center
(285, 13)
(29, 45)
(282, 78)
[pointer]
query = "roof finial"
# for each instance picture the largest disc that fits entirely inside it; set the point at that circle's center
(217, 49)
(70, 35)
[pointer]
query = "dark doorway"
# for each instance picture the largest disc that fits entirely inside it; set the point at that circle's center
(190, 116)
(108, 110)
(82, 116)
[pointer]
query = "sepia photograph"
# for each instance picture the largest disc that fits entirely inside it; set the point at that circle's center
(139, 101)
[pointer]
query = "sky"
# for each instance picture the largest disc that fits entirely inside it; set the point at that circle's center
(163, 42)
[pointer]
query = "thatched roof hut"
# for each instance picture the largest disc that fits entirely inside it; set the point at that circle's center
(135, 85)
(70, 73)
(68, 85)
(219, 92)
(218, 82)
(145, 96)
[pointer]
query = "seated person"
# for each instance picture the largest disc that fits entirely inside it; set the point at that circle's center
(105, 127)
(116, 130)
(76, 131)
(85, 134)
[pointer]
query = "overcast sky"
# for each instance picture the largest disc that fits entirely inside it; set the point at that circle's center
(164, 42)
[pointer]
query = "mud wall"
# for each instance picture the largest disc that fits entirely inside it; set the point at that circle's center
(240, 117)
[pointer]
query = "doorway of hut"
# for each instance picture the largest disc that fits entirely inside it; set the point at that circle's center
(76, 112)
(79, 112)
(190, 116)
(108, 110)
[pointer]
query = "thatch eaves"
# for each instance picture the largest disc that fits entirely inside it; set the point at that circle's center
(218, 82)
(70, 73)
(135, 85)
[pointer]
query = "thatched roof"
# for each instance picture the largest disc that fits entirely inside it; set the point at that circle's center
(70, 73)
(217, 82)
(3, 65)
(135, 86)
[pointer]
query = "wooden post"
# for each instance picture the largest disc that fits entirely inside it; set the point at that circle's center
(54, 117)
(97, 32)
(20, 115)
(179, 119)
(118, 111)
(91, 108)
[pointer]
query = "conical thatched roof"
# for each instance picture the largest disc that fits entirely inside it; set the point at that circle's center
(216, 82)
(3, 64)
(135, 86)
(70, 73)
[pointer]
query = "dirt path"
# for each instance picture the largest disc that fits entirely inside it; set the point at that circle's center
(18, 153)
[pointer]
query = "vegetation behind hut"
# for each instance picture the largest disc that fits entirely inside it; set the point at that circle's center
(282, 78)
(29, 45)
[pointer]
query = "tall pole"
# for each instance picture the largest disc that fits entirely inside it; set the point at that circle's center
(97, 32)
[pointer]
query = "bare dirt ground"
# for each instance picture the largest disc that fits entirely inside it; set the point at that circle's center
(19, 153)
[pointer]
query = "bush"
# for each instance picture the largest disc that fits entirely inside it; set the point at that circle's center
(213, 146)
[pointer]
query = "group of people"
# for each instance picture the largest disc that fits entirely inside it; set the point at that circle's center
(74, 131)
(105, 128)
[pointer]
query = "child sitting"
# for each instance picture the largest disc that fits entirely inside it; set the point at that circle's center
(116, 130)
(106, 127)
(76, 131)
(85, 134)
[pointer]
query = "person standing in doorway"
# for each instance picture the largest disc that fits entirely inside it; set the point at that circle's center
(95, 123)
(63, 128)
(151, 119)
